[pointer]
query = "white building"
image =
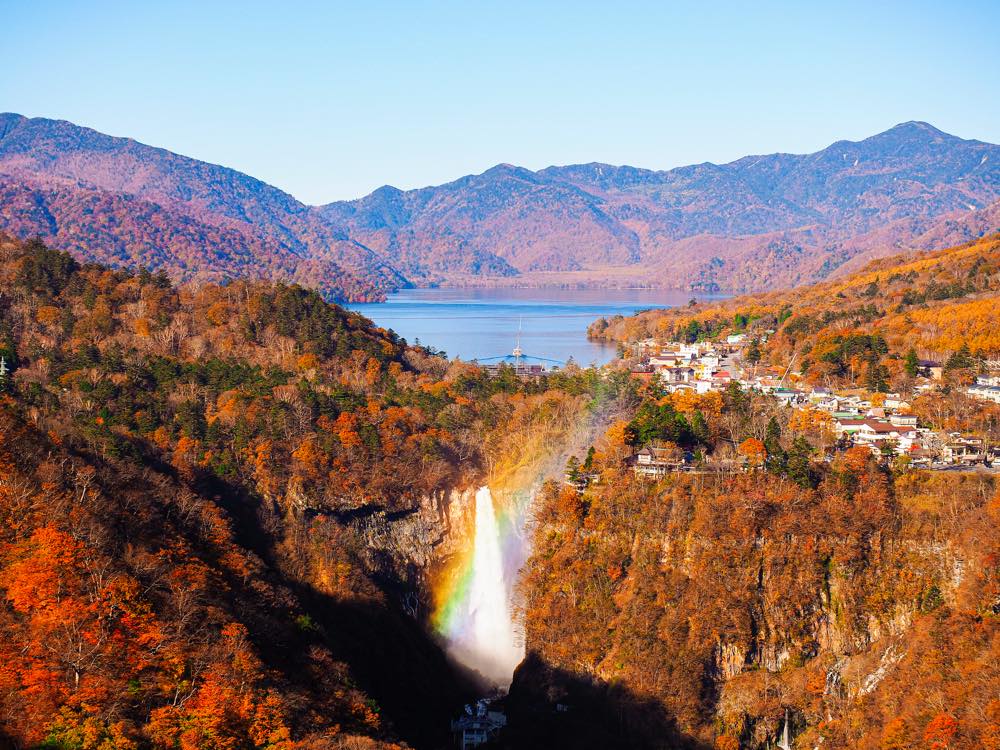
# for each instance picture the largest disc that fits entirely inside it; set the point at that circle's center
(876, 432)
(985, 392)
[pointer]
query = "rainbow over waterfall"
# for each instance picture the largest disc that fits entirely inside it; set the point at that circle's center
(475, 611)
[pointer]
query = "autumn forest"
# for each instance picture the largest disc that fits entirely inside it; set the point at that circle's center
(499, 376)
(207, 535)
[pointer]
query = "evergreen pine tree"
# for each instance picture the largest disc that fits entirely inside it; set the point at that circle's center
(573, 469)
(799, 468)
(960, 360)
(772, 436)
(877, 378)
(699, 428)
(776, 458)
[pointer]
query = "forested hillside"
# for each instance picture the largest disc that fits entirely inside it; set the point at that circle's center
(220, 507)
(788, 575)
(126, 204)
(204, 506)
(697, 611)
(935, 303)
(162, 583)
(128, 232)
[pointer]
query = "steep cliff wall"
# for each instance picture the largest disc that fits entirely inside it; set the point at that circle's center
(701, 609)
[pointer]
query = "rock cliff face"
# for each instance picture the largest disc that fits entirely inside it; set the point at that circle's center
(704, 609)
(832, 623)
(408, 545)
(411, 549)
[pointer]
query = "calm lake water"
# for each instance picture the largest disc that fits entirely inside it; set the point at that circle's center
(483, 323)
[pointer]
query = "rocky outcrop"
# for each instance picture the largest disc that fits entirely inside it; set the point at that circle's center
(406, 545)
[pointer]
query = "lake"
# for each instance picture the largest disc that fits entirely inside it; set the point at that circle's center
(483, 323)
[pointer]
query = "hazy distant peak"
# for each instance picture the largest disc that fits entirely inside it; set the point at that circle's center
(505, 169)
(9, 121)
(915, 132)
(916, 127)
(386, 191)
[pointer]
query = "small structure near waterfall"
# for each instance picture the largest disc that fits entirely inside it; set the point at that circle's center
(658, 459)
(478, 725)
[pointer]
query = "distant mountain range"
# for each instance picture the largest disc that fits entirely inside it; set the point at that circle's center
(123, 203)
(756, 223)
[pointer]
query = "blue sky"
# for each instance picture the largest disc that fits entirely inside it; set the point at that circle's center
(331, 100)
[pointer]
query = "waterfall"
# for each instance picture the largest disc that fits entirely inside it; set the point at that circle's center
(482, 636)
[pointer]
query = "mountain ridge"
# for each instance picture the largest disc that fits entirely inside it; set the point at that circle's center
(754, 223)
(265, 224)
(845, 190)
